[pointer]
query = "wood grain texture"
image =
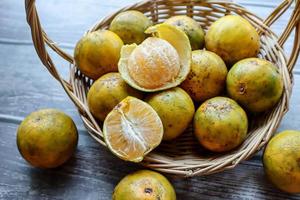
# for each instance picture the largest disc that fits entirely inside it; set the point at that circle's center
(93, 171)
(67, 29)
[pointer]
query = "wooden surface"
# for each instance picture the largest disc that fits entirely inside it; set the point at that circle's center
(93, 171)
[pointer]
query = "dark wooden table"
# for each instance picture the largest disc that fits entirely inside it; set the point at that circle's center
(93, 171)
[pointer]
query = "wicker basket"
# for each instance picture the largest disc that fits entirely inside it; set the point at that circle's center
(184, 156)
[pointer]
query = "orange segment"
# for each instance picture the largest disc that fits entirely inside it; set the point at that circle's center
(132, 129)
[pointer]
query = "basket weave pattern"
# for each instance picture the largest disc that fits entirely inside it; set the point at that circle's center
(184, 156)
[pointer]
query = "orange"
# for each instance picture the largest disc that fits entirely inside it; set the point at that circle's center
(158, 63)
(152, 59)
(191, 28)
(207, 77)
(220, 124)
(47, 138)
(282, 161)
(130, 26)
(233, 38)
(132, 129)
(98, 53)
(175, 109)
(144, 185)
(255, 83)
(106, 92)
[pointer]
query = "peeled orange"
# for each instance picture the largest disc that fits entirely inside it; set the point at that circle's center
(132, 129)
(160, 62)
(150, 60)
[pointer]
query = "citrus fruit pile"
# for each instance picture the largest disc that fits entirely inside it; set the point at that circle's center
(150, 82)
(149, 77)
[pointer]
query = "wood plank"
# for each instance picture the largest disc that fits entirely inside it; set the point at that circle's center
(77, 17)
(27, 85)
(64, 29)
(93, 172)
(88, 175)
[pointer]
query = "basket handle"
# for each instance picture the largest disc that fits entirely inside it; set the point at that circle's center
(40, 39)
(293, 24)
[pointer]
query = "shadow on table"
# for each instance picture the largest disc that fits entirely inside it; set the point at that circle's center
(246, 181)
(90, 173)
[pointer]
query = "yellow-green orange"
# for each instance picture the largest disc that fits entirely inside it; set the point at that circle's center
(193, 30)
(144, 185)
(220, 124)
(175, 109)
(233, 38)
(207, 76)
(282, 161)
(107, 92)
(98, 53)
(255, 83)
(47, 138)
(130, 26)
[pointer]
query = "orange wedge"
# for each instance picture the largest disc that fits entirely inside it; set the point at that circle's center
(132, 129)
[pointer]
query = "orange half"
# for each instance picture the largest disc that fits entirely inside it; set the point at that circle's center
(132, 129)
